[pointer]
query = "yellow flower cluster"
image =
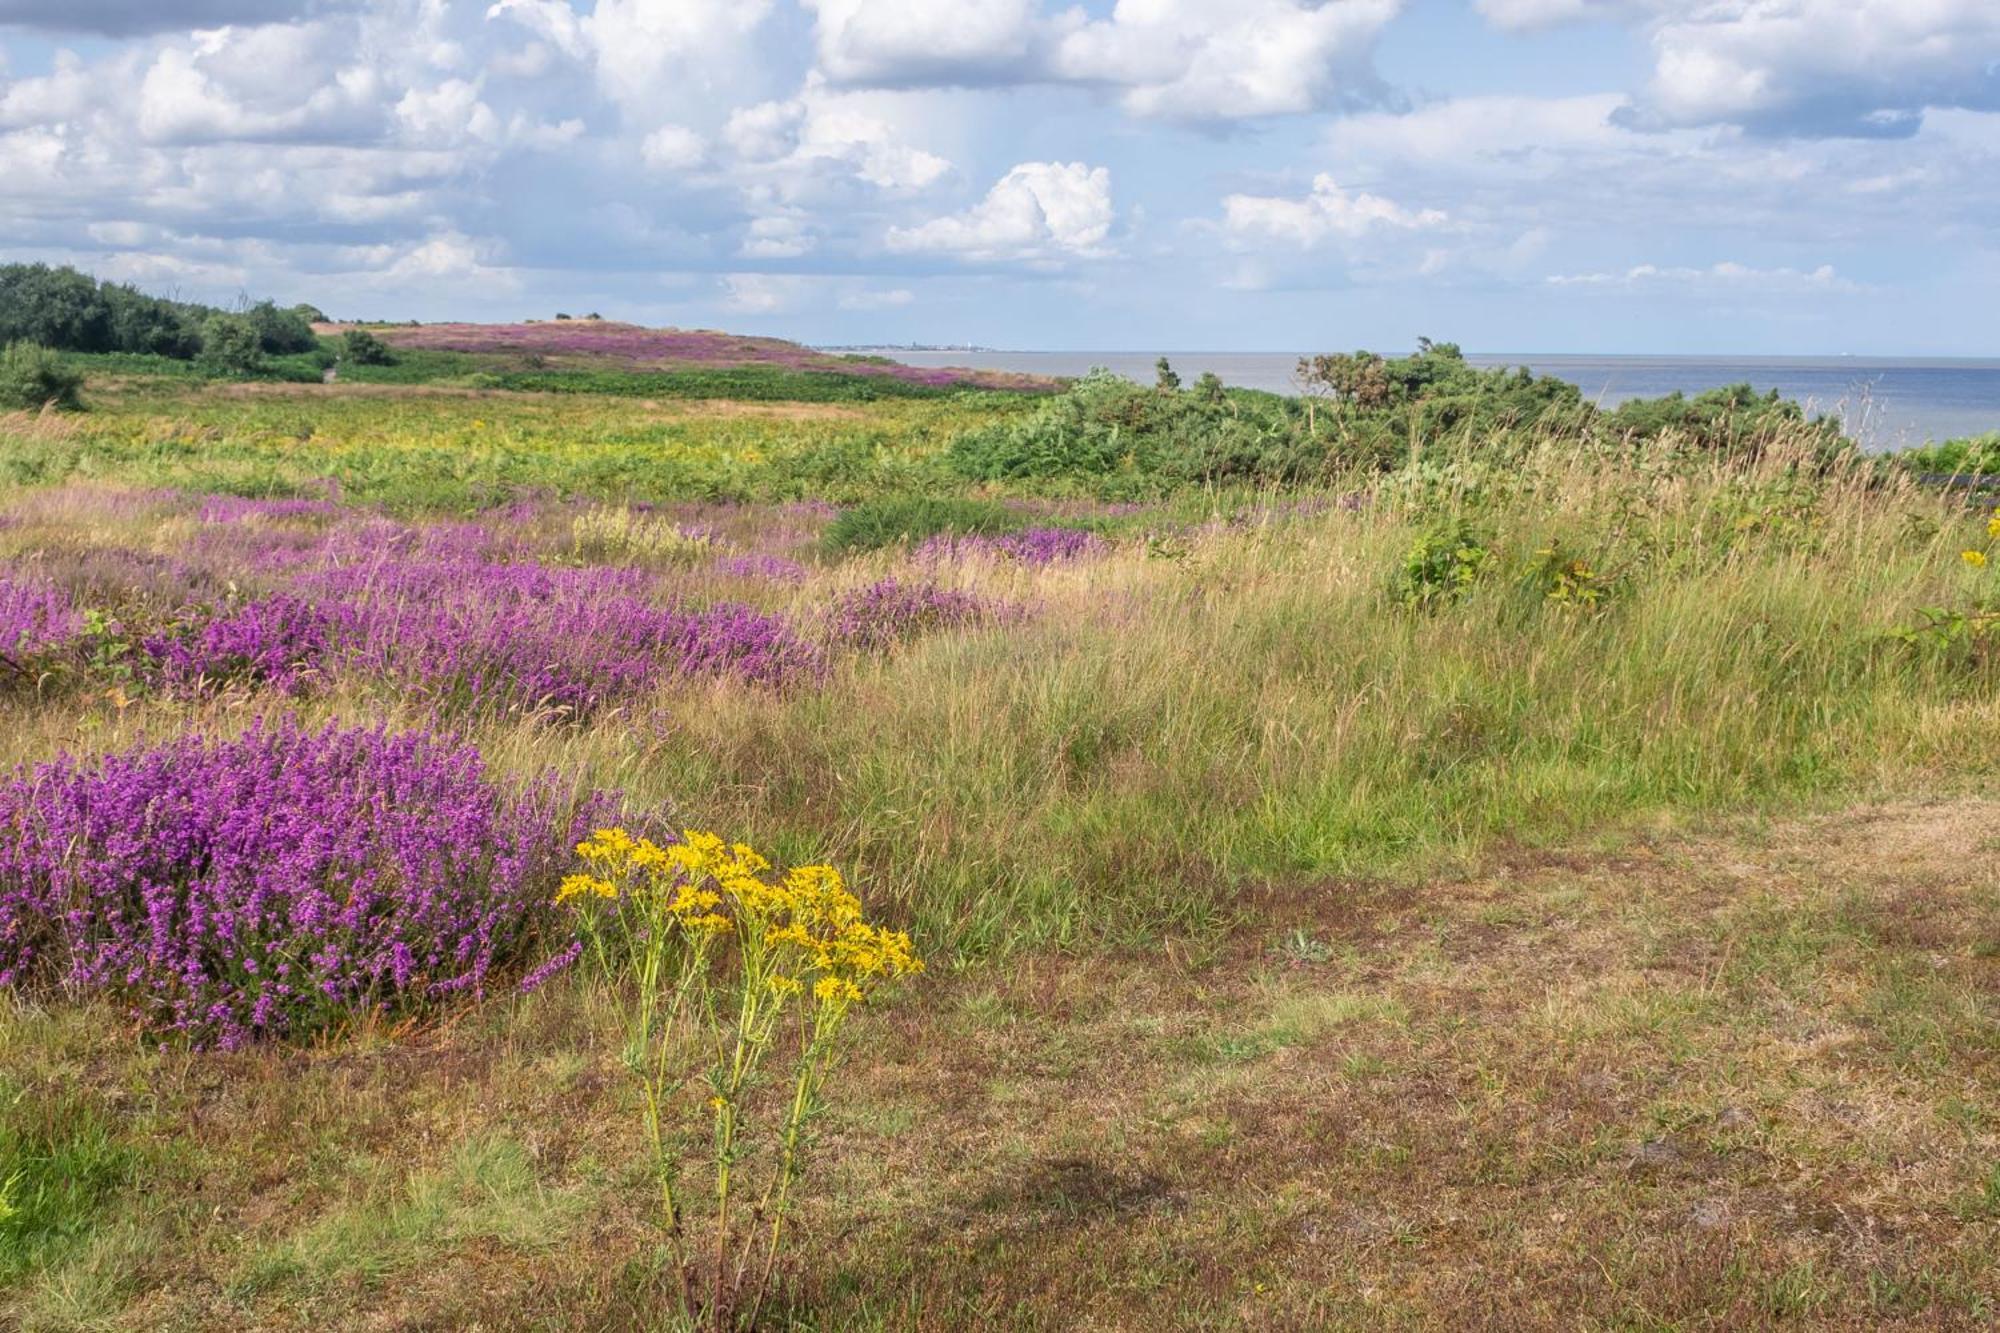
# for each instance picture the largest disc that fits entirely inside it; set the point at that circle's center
(1977, 559)
(711, 887)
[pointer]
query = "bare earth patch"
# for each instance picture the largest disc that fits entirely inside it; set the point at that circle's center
(1733, 1080)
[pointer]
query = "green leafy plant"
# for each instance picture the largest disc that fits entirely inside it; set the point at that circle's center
(1442, 565)
(1561, 577)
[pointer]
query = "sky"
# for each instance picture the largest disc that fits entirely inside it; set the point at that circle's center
(1698, 176)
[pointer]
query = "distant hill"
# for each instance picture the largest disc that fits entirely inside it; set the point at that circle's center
(591, 344)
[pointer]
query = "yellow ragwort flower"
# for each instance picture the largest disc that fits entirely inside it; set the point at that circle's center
(574, 886)
(1977, 559)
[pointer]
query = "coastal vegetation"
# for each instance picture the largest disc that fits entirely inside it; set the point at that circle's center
(1426, 852)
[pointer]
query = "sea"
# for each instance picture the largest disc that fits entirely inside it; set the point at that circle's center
(1884, 402)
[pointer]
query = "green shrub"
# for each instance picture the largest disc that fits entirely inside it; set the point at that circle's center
(230, 346)
(1117, 435)
(1734, 419)
(281, 332)
(1442, 565)
(1974, 456)
(32, 377)
(363, 348)
(880, 523)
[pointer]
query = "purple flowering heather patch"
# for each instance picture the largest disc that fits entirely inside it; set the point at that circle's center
(522, 635)
(885, 613)
(238, 509)
(277, 882)
(35, 617)
(598, 343)
(1029, 546)
(278, 641)
(761, 565)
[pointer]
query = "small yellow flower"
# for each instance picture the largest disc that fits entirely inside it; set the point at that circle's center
(577, 885)
(1977, 559)
(836, 991)
(1993, 523)
(784, 987)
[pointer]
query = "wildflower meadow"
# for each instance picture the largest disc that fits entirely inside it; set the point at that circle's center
(981, 856)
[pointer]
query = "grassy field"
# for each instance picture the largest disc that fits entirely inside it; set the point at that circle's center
(1546, 891)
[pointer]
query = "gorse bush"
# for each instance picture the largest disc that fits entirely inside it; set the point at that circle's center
(722, 969)
(32, 377)
(879, 523)
(285, 880)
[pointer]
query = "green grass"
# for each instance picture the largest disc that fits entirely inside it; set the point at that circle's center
(874, 524)
(59, 1163)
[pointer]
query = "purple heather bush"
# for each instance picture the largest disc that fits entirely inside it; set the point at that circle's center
(882, 614)
(279, 641)
(35, 617)
(1029, 546)
(278, 882)
(574, 656)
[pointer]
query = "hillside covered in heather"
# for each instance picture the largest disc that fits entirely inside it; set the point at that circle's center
(594, 344)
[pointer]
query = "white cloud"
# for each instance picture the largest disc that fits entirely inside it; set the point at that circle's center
(1195, 60)
(761, 293)
(1038, 210)
(1327, 211)
(780, 236)
(894, 43)
(447, 115)
(1229, 59)
(660, 61)
(1823, 66)
(1863, 68)
(673, 148)
(1724, 276)
(790, 140)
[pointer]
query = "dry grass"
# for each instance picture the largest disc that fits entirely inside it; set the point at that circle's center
(1728, 1080)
